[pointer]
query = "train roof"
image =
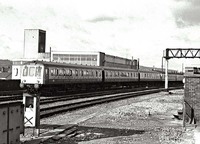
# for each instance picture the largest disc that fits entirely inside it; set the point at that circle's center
(55, 64)
(121, 69)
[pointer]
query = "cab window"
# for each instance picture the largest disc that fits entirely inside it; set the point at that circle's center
(38, 71)
(31, 71)
(25, 71)
(16, 70)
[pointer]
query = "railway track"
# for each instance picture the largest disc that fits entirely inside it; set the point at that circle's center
(84, 95)
(68, 106)
(11, 95)
(8, 93)
(17, 95)
(54, 105)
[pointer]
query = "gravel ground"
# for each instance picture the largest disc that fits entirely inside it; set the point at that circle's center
(139, 120)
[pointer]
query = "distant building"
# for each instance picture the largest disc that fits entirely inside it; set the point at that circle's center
(35, 48)
(92, 58)
(34, 43)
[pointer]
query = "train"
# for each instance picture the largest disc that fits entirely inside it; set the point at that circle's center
(38, 75)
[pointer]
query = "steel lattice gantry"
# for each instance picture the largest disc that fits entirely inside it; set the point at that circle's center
(178, 53)
(182, 53)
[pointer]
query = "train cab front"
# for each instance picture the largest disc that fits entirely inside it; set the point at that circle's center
(31, 77)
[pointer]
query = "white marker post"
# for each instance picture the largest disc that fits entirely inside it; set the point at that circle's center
(166, 75)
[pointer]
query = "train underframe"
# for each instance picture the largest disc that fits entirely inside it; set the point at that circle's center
(53, 89)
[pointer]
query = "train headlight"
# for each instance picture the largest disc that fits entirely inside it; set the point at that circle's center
(21, 85)
(36, 86)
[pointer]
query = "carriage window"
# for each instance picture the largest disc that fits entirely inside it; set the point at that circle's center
(46, 71)
(73, 72)
(81, 72)
(70, 72)
(67, 72)
(56, 72)
(87, 73)
(110, 74)
(25, 71)
(84, 73)
(106, 74)
(60, 72)
(52, 72)
(64, 72)
(31, 71)
(76, 72)
(96, 73)
(122, 74)
(115, 74)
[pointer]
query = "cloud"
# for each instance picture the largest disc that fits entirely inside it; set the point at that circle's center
(187, 13)
(103, 18)
(142, 29)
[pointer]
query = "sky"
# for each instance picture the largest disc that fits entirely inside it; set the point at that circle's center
(126, 28)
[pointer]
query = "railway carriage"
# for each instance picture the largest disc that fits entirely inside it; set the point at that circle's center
(39, 73)
(180, 77)
(172, 77)
(119, 77)
(149, 78)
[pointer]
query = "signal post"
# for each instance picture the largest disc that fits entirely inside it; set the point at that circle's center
(32, 111)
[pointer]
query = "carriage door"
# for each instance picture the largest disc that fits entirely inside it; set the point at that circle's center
(46, 75)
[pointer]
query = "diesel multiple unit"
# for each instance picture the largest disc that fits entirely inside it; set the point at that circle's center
(40, 74)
